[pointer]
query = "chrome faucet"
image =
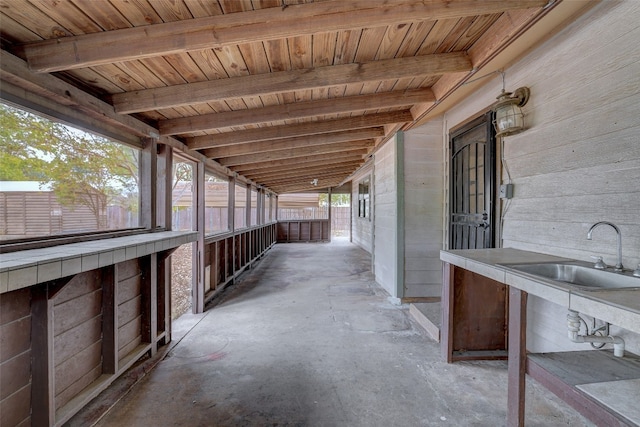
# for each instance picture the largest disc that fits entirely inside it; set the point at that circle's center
(618, 266)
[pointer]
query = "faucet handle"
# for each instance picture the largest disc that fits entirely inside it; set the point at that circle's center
(600, 265)
(636, 272)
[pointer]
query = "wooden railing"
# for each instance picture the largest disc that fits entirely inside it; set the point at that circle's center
(227, 255)
(304, 230)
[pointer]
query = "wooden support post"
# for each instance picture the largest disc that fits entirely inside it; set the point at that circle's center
(446, 337)
(110, 319)
(198, 256)
(148, 183)
(246, 237)
(232, 227)
(153, 306)
(164, 185)
(42, 358)
(517, 357)
(164, 298)
(329, 211)
(149, 301)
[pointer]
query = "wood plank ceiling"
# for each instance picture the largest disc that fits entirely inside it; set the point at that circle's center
(282, 92)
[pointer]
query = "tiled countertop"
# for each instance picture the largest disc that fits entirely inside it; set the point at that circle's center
(618, 307)
(29, 267)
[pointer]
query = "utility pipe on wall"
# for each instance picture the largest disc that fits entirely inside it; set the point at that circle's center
(573, 323)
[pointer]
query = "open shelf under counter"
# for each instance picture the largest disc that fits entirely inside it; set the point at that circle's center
(597, 384)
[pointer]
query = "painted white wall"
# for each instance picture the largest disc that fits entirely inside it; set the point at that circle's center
(385, 221)
(423, 209)
(362, 228)
(579, 161)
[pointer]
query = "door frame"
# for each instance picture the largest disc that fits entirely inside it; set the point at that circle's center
(490, 180)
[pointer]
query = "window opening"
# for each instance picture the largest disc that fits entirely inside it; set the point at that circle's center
(240, 209)
(296, 206)
(182, 207)
(363, 198)
(59, 180)
(340, 215)
(216, 212)
(254, 207)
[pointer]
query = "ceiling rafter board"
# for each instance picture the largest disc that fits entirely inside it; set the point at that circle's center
(267, 167)
(284, 81)
(308, 172)
(295, 110)
(301, 187)
(319, 158)
(287, 143)
(295, 152)
(308, 180)
(279, 171)
(238, 28)
(297, 130)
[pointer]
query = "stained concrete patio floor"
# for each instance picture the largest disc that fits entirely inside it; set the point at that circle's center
(307, 338)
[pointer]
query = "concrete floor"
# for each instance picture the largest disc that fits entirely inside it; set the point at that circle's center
(307, 338)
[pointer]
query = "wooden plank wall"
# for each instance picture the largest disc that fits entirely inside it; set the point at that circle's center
(290, 231)
(63, 342)
(423, 210)
(77, 316)
(385, 217)
(362, 228)
(129, 299)
(579, 160)
(15, 358)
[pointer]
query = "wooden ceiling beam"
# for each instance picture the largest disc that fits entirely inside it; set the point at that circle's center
(318, 159)
(288, 81)
(295, 152)
(318, 171)
(128, 44)
(298, 110)
(287, 143)
(294, 170)
(306, 187)
(298, 130)
(321, 159)
(306, 179)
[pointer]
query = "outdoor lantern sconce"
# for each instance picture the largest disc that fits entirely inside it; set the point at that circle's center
(509, 118)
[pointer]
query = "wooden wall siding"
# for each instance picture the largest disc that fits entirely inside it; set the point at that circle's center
(423, 210)
(362, 228)
(15, 358)
(317, 230)
(386, 218)
(579, 161)
(129, 300)
(77, 317)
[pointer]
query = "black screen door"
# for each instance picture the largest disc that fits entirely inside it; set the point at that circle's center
(472, 172)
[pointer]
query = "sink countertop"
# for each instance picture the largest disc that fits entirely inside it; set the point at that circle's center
(618, 307)
(21, 269)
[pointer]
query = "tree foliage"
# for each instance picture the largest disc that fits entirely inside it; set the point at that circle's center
(81, 168)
